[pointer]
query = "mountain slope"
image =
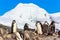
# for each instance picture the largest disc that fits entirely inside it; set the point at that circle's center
(25, 13)
(55, 17)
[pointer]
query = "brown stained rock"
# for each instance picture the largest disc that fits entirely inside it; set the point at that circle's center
(3, 31)
(9, 37)
(1, 38)
(26, 35)
(31, 35)
(18, 37)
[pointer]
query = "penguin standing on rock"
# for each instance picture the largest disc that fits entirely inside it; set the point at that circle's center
(39, 27)
(14, 30)
(52, 27)
(59, 33)
(14, 27)
(45, 28)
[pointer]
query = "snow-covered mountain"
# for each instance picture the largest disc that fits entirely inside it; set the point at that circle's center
(26, 13)
(56, 17)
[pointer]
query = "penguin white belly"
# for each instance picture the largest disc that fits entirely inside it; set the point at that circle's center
(39, 29)
(14, 28)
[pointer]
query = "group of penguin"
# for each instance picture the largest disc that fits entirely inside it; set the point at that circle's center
(45, 28)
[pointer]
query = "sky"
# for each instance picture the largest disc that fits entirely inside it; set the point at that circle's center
(51, 6)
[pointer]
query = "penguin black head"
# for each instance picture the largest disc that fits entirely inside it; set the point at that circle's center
(52, 22)
(38, 22)
(26, 26)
